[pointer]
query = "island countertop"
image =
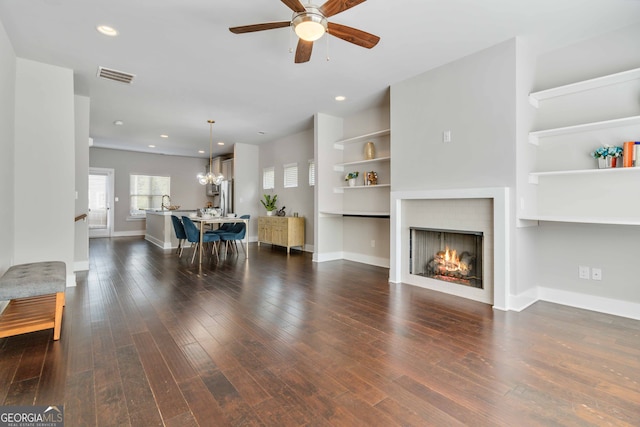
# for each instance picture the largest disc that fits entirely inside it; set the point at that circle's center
(166, 212)
(159, 228)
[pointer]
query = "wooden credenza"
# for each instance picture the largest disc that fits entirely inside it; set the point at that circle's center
(287, 231)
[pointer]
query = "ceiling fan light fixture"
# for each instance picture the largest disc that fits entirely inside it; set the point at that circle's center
(309, 25)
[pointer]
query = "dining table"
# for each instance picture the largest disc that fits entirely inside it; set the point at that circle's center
(210, 220)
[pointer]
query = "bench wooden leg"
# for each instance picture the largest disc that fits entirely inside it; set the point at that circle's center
(57, 324)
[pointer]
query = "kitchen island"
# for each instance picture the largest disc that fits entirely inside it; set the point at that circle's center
(159, 229)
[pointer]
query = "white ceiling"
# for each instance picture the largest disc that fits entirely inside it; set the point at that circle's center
(189, 68)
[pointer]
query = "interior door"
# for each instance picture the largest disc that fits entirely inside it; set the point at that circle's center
(100, 216)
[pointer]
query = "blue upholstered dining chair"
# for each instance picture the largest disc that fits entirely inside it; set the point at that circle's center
(193, 236)
(224, 227)
(237, 232)
(181, 235)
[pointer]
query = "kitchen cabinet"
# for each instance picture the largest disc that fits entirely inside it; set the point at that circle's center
(286, 231)
(227, 169)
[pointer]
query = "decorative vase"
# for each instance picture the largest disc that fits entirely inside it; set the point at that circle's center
(369, 151)
(269, 213)
(352, 182)
(604, 162)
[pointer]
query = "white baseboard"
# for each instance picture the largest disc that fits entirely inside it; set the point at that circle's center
(329, 256)
(71, 280)
(521, 301)
(132, 233)
(81, 266)
(351, 256)
(590, 302)
(309, 248)
(159, 243)
(367, 259)
(599, 304)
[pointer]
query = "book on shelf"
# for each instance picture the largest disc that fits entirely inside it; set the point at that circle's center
(628, 154)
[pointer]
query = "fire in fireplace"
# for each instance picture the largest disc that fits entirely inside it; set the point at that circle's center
(448, 255)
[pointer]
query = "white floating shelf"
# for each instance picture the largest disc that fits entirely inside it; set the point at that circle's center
(627, 121)
(357, 213)
(360, 162)
(346, 187)
(536, 97)
(582, 220)
(340, 144)
(533, 176)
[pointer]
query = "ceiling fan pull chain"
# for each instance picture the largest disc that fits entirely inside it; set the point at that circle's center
(290, 41)
(327, 37)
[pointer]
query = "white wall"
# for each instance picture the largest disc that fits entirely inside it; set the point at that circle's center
(185, 189)
(360, 239)
(44, 164)
(367, 239)
(328, 228)
(563, 247)
(81, 251)
(524, 277)
(474, 98)
(246, 195)
(7, 100)
(296, 148)
(482, 100)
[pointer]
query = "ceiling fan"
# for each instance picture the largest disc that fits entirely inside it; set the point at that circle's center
(310, 23)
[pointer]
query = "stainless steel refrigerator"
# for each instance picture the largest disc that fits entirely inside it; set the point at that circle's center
(226, 197)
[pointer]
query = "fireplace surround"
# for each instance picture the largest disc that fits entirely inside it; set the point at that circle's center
(474, 209)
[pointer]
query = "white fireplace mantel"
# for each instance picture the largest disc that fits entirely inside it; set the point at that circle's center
(501, 222)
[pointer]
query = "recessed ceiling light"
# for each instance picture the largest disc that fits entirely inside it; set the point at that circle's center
(220, 143)
(164, 136)
(201, 151)
(340, 98)
(152, 146)
(107, 30)
(118, 123)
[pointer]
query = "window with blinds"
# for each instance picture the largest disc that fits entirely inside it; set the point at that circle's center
(290, 175)
(268, 178)
(145, 192)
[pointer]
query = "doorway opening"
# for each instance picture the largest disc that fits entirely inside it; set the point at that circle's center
(100, 215)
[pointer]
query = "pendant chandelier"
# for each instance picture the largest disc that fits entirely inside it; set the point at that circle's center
(210, 177)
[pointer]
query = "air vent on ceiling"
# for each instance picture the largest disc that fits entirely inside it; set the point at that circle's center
(115, 75)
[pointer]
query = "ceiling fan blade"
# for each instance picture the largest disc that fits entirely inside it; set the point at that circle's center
(353, 35)
(303, 51)
(259, 27)
(333, 7)
(294, 5)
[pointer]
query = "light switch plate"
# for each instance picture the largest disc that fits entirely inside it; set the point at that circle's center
(583, 272)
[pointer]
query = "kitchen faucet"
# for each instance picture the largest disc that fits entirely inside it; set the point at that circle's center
(166, 206)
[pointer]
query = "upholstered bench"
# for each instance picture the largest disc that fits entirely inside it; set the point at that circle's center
(36, 294)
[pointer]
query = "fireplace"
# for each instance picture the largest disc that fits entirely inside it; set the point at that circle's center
(451, 256)
(482, 211)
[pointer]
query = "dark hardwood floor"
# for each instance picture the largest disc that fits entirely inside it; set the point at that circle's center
(149, 339)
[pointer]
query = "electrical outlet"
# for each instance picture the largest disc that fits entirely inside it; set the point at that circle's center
(446, 136)
(373, 243)
(583, 272)
(596, 273)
